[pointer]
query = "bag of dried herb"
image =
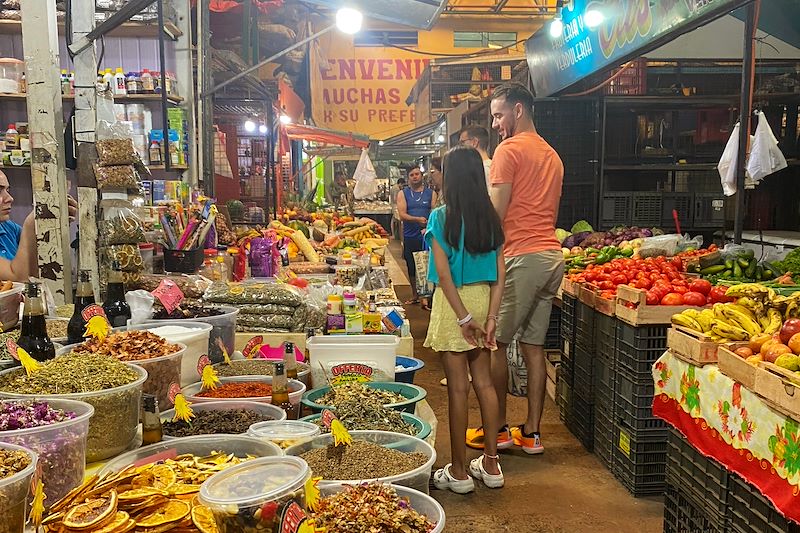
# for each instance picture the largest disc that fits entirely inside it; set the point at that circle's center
(56, 430)
(117, 177)
(120, 225)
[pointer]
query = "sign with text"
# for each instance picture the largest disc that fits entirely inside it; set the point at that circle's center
(630, 28)
(363, 89)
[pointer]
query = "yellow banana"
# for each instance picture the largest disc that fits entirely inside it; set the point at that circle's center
(687, 322)
(755, 307)
(792, 310)
(706, 319)
(744, 320)
(775, 321)
(765, 321)
(741, 309)
(752, 290)
(728, 331)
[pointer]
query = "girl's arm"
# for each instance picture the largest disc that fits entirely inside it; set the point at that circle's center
(472, 331)
(495, 297)
(24, 264)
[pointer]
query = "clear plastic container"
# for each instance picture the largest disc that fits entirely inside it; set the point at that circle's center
(328, 354)
(238, 496)
(115, 423)
(61, 447)
(416, 479)
(422, 428)
(15, 492)
(303, 370)
(267, 410)
(161, 372)
(10, 74)
(296, 391)
(284, 433)
(9, 306)
(420, 502)
(223, 328)
(240, 446)
(195, 337)
(408, 390)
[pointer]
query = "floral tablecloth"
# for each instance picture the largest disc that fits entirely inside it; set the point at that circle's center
(725, 421)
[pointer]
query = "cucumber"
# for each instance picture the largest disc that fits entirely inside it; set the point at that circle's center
(760, 273)
(768, 275)
(749, 254)
(743, 262)
(714, 269)
(737, 270)
(750, 271)
(729, 264)
(727, 274)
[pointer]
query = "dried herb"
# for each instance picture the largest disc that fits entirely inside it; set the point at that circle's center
(70, 373)
(13, 502)
(231, 421)
(369, 415)
(251, 367)
(361, 460)
(253, 293)
(115, 152)
(117, 177)
(13, 462)
(358, 392)
(57, 329)
(13, 335)
(187, 311)
(239, 389)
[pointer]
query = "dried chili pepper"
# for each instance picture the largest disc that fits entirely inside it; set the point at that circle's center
(239, 389)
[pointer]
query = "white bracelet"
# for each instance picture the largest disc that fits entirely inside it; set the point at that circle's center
(464, 321)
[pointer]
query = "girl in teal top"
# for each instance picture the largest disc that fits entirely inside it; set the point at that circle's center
(465, 237)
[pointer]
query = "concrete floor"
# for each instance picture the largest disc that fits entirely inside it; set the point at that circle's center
(565, 490)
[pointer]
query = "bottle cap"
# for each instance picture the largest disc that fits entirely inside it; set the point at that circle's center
(119, 70)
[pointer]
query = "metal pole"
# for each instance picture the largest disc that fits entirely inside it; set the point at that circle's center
(745, 108)
(163, 82)
(205, 103)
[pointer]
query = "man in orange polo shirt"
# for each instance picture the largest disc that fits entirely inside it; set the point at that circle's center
(526, 178)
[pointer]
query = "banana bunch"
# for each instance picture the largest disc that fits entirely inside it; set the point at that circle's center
(789, 306)
(752, 290)
(732, 321)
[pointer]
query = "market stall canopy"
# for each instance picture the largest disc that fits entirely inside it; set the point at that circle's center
(421, 14)
(302, 132)
(779, 19)
(420, 133)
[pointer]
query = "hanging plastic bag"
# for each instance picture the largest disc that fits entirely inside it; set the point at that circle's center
(365, 177)
(765, 157)
(517, 371)
(727, 164)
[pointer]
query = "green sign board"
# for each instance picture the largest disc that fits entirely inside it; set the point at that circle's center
(629, 29)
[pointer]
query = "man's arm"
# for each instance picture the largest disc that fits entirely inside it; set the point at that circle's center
(434, 199)
(502, 172)
(402, 211)
(23, 266)
(501, 197)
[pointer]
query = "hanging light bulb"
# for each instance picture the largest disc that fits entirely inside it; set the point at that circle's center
(249, 126)
(593, 18)
(262, 129)
(440, 138)
(556, 27)
(285, 119)
(349, 20)
(380, 143)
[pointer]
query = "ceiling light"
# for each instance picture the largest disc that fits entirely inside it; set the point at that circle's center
(285, 119)
(380, 143)
(556, 27)
(593, 18)
(262, 128)
(349, 20)
(440, 138)
(249, 126)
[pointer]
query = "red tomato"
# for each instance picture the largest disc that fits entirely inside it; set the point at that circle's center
(652, 298)
(717, 294)
(694, 298)
(712, 248)
(672, 298)
(608, 295)
(591, 276)
(606, 286)
(660, 291)
(703, 286)
(677, 263)
(619, 279)
(603, 277)
(680, 289)
(643, 283)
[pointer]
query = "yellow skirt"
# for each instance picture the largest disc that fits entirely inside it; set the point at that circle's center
(444, 335)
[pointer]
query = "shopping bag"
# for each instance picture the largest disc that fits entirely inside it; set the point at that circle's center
(517, 371)
(727, 164)
(424, 287)
(765, 156)
(365, 178)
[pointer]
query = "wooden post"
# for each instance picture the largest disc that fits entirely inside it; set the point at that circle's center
(46, 126)
(85, 123)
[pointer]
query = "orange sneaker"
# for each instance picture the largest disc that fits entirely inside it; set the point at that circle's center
(530, 444)
(475, 438)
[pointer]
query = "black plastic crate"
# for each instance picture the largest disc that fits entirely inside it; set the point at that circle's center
(705, 481)
(563, 398)
(646, 210)
(584, 367)
(584, 325)
(604, 384)
(552, 339)
(639, 347)
(709, 210)
(605, 333)
(581, 421)
(639, 464)
(751, 511)
(682, 515)
(603, 437)
(567, 317)
(616, 209)
(683, 203)
(633, 402)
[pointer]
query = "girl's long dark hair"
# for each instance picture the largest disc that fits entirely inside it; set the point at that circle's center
(468, 204)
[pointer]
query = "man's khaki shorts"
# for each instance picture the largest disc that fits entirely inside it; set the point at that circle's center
(532, 280)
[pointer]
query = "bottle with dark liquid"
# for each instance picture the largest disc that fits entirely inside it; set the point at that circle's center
(310, 332)
(280, 391)
(33, 335)
(289, 360)
(116, 308)
(84, 297)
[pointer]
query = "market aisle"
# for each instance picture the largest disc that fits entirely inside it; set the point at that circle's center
(564, 490)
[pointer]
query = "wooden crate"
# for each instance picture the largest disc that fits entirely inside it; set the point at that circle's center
(695, 347)
(779, 387)
(569, 287)
(632, 308)
(587, 294)
(605, 306)
(737, 368)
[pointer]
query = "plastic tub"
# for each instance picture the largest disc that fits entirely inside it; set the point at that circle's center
(303, 370)
(161, 372)
(416, 479)
(333, 357)
(410, 366)
(10, 74)
(422, 427)
(274, 412)
(14, 492)
(223, 327)
(241, 446)
(296, 391)
(115, 423)
(284, 433)
(412, 392)
(61, 447)
(196, 341)
(9, 306)
(239, 496)
(420, 502)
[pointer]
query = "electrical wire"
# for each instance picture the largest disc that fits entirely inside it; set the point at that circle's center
(609, 80)
(463, 56)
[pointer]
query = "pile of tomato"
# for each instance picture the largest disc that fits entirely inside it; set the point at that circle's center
(662, 278)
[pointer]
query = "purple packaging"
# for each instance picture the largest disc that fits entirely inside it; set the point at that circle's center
(336, 324)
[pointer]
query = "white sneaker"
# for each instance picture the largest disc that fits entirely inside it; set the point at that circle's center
(443, 480)
(493, 481)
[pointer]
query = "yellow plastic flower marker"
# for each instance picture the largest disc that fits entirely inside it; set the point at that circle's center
(97, 327)
(225, 355)
(312, 493)
(339, 432)
(37, 505)
(30, 364)
(209, 380)
(183, 410)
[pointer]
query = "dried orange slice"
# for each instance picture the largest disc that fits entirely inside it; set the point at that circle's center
(71, 495)
(163, 476)
(92, 514)
(179, 490)
(119, 520)
(172, 511)
(203, 519)
(141, 494)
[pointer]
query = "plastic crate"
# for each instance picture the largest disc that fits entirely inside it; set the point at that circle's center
(709, 210)
(583, 377)
(682, 515)
(581, 421)
(639, 464)
(552, 339)
(603, 437)
(638, 347)
(633, 403)
(705, 481)
(563, 398)
(616, 209)
(683, 203)
(752, 512)
(631, 81)
(567, 317)
(605, 332)
(646, 209)
(584, 325)
(604, 384)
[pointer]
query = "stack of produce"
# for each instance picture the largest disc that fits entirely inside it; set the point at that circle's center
(739, 267)
(583, 236)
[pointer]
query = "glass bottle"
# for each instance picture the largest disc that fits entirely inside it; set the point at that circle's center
(151, 421)
(289, 360)
(373, 307)
(310, 332)
(33, 335)
(280, 391)
(84, 297)
(117, 310)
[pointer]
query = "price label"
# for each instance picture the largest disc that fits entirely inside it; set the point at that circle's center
(12, 347)
(174, 390)
(328, 417)
(92, 311)
(202, 362)
(250, 348)
(169, 294)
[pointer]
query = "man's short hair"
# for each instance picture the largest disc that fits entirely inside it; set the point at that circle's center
(401, 181)
(479, 133)
(515, 93)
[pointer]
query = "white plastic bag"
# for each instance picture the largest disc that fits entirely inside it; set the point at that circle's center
(141, 304)
(365, 177)
(727, 164)
(765, 156)
(517, 371)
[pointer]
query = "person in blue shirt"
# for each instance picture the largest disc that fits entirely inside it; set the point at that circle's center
(465, 237)
(414, 205)
(10, 231)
